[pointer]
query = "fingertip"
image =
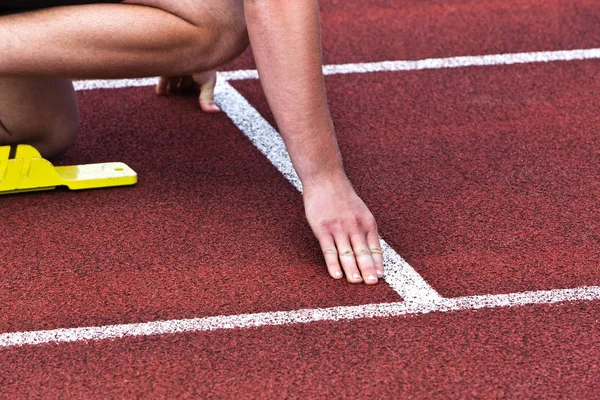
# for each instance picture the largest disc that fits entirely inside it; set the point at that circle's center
(337, 274)
(335, 271)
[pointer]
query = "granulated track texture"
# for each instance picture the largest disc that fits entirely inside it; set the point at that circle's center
(485, 179)
(547, 351)
(211, 229)
(489, 175)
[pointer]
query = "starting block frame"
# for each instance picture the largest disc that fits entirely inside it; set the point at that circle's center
(28, 171)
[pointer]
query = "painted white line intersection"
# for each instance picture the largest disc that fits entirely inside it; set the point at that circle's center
(398, 274)
(345, 313)
(419, 297)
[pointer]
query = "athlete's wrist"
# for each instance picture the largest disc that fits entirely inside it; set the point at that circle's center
(331, 176)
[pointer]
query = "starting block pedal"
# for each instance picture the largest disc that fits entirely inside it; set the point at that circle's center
(27, 171)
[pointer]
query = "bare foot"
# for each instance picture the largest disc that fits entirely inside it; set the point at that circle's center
(204, 81)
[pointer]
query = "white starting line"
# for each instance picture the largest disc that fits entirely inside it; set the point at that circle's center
(419, 297)
(295, 317)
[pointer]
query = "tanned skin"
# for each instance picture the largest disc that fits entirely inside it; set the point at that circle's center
(184, 41)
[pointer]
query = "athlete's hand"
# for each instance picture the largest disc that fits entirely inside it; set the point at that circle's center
(205, 81)
(346, 230)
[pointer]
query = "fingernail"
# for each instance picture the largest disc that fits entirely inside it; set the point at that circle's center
(337, 274)
(372, 278)
(356, 276)
(379, 274)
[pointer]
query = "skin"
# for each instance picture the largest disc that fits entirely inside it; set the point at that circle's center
(184, 42)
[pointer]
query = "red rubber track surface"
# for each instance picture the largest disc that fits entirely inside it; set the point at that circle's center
(485, 179)
(211, 228)
(379, 30)
(529, 352)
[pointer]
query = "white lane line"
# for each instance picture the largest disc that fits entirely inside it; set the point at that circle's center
(257, 129)
(421, 297)
(114, 83)
(96, 333)
(398, 274)
(438, 63)
(383, 66)
(403, 278)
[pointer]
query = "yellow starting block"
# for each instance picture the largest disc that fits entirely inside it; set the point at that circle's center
(29, 172)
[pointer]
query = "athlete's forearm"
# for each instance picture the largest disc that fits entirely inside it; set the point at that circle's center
(286, 42)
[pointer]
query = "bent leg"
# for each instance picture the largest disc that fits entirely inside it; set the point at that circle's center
(135, 39)
(38, 111)
(148, 38)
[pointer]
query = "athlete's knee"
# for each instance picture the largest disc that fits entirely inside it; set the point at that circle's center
(225, 38)
(57, 138)
(40, 112)
(234, 34)
(49, 142)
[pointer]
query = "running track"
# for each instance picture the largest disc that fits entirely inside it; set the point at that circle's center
(476, 148)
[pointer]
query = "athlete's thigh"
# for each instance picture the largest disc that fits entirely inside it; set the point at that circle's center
(31, 109)
(197, 12)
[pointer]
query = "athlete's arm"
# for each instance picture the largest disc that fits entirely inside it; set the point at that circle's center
(286, 42)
